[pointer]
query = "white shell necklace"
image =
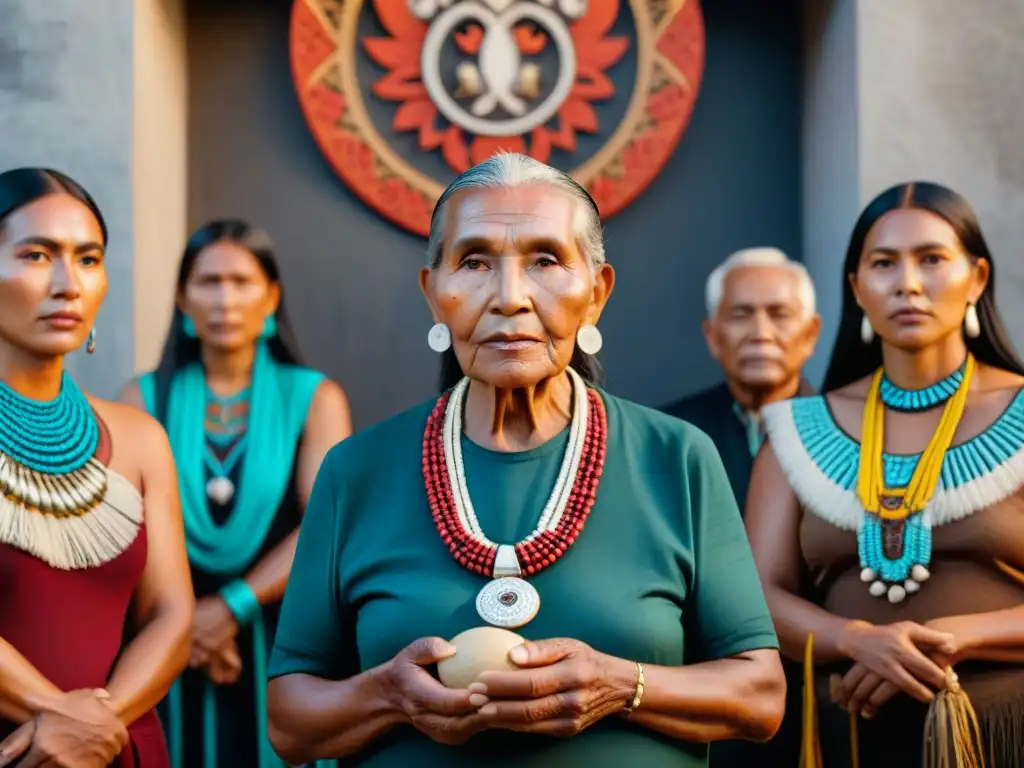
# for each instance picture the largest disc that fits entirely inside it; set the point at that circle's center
(510, 601)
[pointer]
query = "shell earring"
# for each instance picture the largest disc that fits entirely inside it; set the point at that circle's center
(90, 345)
(867, 333)
(589, 339)
(439, 338)
(972, 326)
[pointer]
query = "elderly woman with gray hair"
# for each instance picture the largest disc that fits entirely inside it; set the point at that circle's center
(525, 498)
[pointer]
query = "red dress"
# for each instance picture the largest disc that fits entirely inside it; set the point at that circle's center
(70, 626)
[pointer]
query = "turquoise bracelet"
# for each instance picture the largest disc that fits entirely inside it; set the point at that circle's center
(241, 601)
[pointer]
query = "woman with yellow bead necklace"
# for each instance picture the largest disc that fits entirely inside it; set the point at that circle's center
(887, 515)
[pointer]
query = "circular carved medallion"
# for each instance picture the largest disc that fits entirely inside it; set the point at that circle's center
(508, 602)
(403, 95)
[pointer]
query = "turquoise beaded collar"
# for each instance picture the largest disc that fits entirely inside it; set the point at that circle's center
(821, 463)
(58, 501)
(53, 437)
(909, 400)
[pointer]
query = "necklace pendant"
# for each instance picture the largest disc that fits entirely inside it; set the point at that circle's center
(506, 563)
(220, 490)
(508, 602)
(890, 503)
(893, 507)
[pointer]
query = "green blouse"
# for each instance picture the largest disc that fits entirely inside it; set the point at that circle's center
(662, 574)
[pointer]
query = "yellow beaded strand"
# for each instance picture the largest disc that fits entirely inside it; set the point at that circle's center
(871, 488)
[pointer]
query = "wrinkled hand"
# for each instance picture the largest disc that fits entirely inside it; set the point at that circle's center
(224, 666)
(562, 687)
(897, 656)
(443, 714)
(212, 627)
(80, 731)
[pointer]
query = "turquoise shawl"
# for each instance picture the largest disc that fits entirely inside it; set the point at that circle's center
(281, 395)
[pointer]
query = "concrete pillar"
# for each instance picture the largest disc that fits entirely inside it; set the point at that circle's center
(69, 100)
(919, 89)
(831, 177)
(941, 99)
(160, 170)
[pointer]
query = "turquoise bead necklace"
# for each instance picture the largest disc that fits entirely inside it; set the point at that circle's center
(227, 420)
(226, 416)
(823, 463)
(58, 501)
(910, 400)
(54, 437)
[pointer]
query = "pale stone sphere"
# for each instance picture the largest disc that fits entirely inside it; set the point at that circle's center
(483, 649)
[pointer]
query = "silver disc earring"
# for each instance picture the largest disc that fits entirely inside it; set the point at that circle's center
(972, 326)
(867, 333)
(440, 338)
(589, 339)
(90, 344)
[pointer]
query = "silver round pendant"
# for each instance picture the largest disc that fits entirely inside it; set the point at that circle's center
(220, 490)
(508, 602)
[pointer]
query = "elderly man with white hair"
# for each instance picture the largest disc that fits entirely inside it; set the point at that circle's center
(761, 326)
(525, 497)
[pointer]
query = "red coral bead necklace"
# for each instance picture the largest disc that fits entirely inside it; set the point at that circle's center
(508, 600)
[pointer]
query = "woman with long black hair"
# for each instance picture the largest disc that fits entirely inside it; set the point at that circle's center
(249, 426)
(887, 515)
(91, 548)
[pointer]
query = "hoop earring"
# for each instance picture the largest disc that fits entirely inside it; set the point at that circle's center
(269, 327)
(439, 338)
(867, 333)
(188, 327)
(972, 326)
(90, 344)
(589, 339)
